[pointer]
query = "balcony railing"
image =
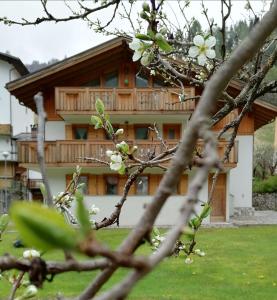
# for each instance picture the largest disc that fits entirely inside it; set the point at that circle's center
(81, 100)
(61, 153)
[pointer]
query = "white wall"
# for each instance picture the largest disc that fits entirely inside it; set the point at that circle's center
(54, 130)
(12, 112)
(241, 176)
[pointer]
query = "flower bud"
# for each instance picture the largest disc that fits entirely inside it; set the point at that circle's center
(119, 131)
(109, 153)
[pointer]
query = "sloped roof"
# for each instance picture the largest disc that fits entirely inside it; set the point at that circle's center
(16, 62)
(27, 86)
(65, 63)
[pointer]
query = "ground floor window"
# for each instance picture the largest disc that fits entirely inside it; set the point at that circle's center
(111, 185)
(142, 185)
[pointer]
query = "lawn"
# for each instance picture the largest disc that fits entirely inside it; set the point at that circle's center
(241, 263)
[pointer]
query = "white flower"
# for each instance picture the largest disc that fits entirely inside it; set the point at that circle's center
(137, 46)
(152, 73)
(197, 251)
(182, 247)
(156, 244)
(94, 210)
(29, 254)
(202, 49)
(202, 253)
(119, 131)
(109, 153)
(30, 292)
(160, 238)
(123, 146)
(116, 162)
(188, 261)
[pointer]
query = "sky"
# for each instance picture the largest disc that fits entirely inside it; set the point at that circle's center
(49, 40)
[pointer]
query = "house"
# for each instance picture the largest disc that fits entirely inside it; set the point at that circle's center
(15, 119)
(134, 100)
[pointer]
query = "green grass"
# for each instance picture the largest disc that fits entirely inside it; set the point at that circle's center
(241, 263)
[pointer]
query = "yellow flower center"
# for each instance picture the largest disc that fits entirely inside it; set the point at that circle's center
(203, 48)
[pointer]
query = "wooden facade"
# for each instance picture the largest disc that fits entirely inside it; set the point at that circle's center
(81, 100)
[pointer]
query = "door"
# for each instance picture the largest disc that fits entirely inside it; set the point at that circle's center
(218, 213)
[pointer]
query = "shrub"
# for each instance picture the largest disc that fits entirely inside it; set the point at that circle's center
(268, 185)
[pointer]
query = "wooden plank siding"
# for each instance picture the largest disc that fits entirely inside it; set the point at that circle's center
(68, 152)
(81, 100)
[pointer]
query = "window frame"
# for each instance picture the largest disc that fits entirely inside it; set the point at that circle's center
(148, 185)
(75, 126)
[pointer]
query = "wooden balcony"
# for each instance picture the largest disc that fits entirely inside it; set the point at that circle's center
(81, 100)
(67, 153)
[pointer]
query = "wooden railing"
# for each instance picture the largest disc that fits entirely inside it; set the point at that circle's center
(82, 99)
(74, 151)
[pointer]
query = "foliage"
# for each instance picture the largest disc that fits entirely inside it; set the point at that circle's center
(265, 160)
(268, 185)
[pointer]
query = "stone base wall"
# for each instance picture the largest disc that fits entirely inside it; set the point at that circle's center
(243, 211)
(266, 201)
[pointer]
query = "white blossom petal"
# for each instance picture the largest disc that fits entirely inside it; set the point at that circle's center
(210, 41)
(136, 55)
(193, 51)
(210, 53)
(202, 59)
(199, 40)
(145, 60)
(116, 158)
(115, 166)
(135, 44)
(109, 153)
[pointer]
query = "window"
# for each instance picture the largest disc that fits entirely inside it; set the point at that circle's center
(80, 133)
(142, 185)
(141, 132)
(172, 131)
(111, 80)
(141, 81)
(93, 83)
(84, 179)
(111, 185)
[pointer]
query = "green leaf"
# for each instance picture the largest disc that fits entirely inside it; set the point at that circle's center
(121, 171)
(143, 37)
(42, 227)
(82, 214)
(196, 222)
(162, 43)
(43, 190)
(4, 221)
(205, 211)
(109, 127)
(151, 33)
(156, 231)
(96, 121)
(99, 106)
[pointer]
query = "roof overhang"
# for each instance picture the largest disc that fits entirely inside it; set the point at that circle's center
(16, 62)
